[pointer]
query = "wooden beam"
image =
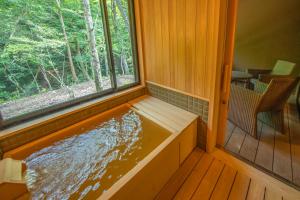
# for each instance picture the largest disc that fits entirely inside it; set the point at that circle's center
(226, 71)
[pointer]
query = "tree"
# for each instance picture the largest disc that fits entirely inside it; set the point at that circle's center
(123, 13)
(59, 45)
(92, 43)
(61, 19)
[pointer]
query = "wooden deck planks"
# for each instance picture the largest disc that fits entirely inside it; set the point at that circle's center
(178, 179)
(221, 176)
(208, 183)
(230, 128)
(294, 125)
(272, 195)
(250, 145)
(236, 140)
(273, 151)
(265, 151)
(240, 187)
(256, 191)
(192, 182)
(225, 182)
(282, 164)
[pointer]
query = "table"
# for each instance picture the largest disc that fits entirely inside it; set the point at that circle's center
(239, 76)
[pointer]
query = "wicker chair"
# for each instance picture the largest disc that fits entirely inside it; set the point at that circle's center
(247, 106)
(281, 68)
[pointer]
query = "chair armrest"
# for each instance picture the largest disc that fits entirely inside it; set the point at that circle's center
(266, 78)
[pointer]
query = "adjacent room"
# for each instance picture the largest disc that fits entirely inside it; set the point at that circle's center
(149, 99)
(265, 89)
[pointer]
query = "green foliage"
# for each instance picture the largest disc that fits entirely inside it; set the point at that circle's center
(33, 53)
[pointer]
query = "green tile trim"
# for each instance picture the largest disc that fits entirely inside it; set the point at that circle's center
(186, 102)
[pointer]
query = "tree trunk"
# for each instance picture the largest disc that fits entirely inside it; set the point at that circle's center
(114, 17)
(123, 13)
(61, 19)
(124, 64)
(46, 77)
(92, 43)
(81, 63)
(1, 122)
(107, 71)
(34, 78)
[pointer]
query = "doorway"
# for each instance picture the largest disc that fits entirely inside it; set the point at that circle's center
(264, 45)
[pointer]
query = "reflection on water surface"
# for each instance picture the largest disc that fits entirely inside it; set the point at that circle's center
(85, 165)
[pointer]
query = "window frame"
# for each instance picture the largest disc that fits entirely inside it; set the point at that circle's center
(114, 89)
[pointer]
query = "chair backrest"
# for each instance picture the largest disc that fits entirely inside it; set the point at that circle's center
(283, 68)
(276, 94)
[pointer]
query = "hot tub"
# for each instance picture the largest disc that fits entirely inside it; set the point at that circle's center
(119, 154)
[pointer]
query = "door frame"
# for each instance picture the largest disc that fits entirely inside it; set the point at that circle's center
(228, 58)
(218, 102)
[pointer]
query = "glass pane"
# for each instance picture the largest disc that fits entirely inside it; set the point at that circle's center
(46, 54)
(119, 24)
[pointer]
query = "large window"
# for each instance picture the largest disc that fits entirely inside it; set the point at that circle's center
(56, 53)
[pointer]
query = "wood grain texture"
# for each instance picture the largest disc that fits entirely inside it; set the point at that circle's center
(170, 189)
(183, 48)
(258, 175)
(181, 43)
(190, 185)
(294, 125)
(256, 191)
(208, 183)
(250, 145)
(282, 164)
(236, 140)
(140, 41)
(240, 187)
(272, 195)
(278, 153)
(265, 151)
(220, 176)
(229, 129)
(225, 182)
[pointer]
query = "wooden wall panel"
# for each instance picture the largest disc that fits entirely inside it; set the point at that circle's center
(190, 43)
(180, 43)
(165, 42)
(172, 4)
(183, 48)
(201, 43)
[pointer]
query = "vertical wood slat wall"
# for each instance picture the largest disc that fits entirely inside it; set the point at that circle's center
(179, 43)
(182, 43)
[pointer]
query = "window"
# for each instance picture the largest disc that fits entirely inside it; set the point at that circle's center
(56, 53)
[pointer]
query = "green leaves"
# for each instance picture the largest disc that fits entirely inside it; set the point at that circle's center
(33, 51)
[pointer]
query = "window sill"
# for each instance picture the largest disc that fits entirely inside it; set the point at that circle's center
(68, 112)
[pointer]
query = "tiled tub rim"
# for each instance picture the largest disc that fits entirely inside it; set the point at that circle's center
(189, 103)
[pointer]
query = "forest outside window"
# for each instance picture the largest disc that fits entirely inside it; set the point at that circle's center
(56, 53)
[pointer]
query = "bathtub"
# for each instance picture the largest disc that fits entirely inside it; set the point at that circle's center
(124, 153)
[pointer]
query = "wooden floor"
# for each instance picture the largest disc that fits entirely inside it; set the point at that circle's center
(277, 153)
(221, 176)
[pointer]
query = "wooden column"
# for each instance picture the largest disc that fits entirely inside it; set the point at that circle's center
(227, 68)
